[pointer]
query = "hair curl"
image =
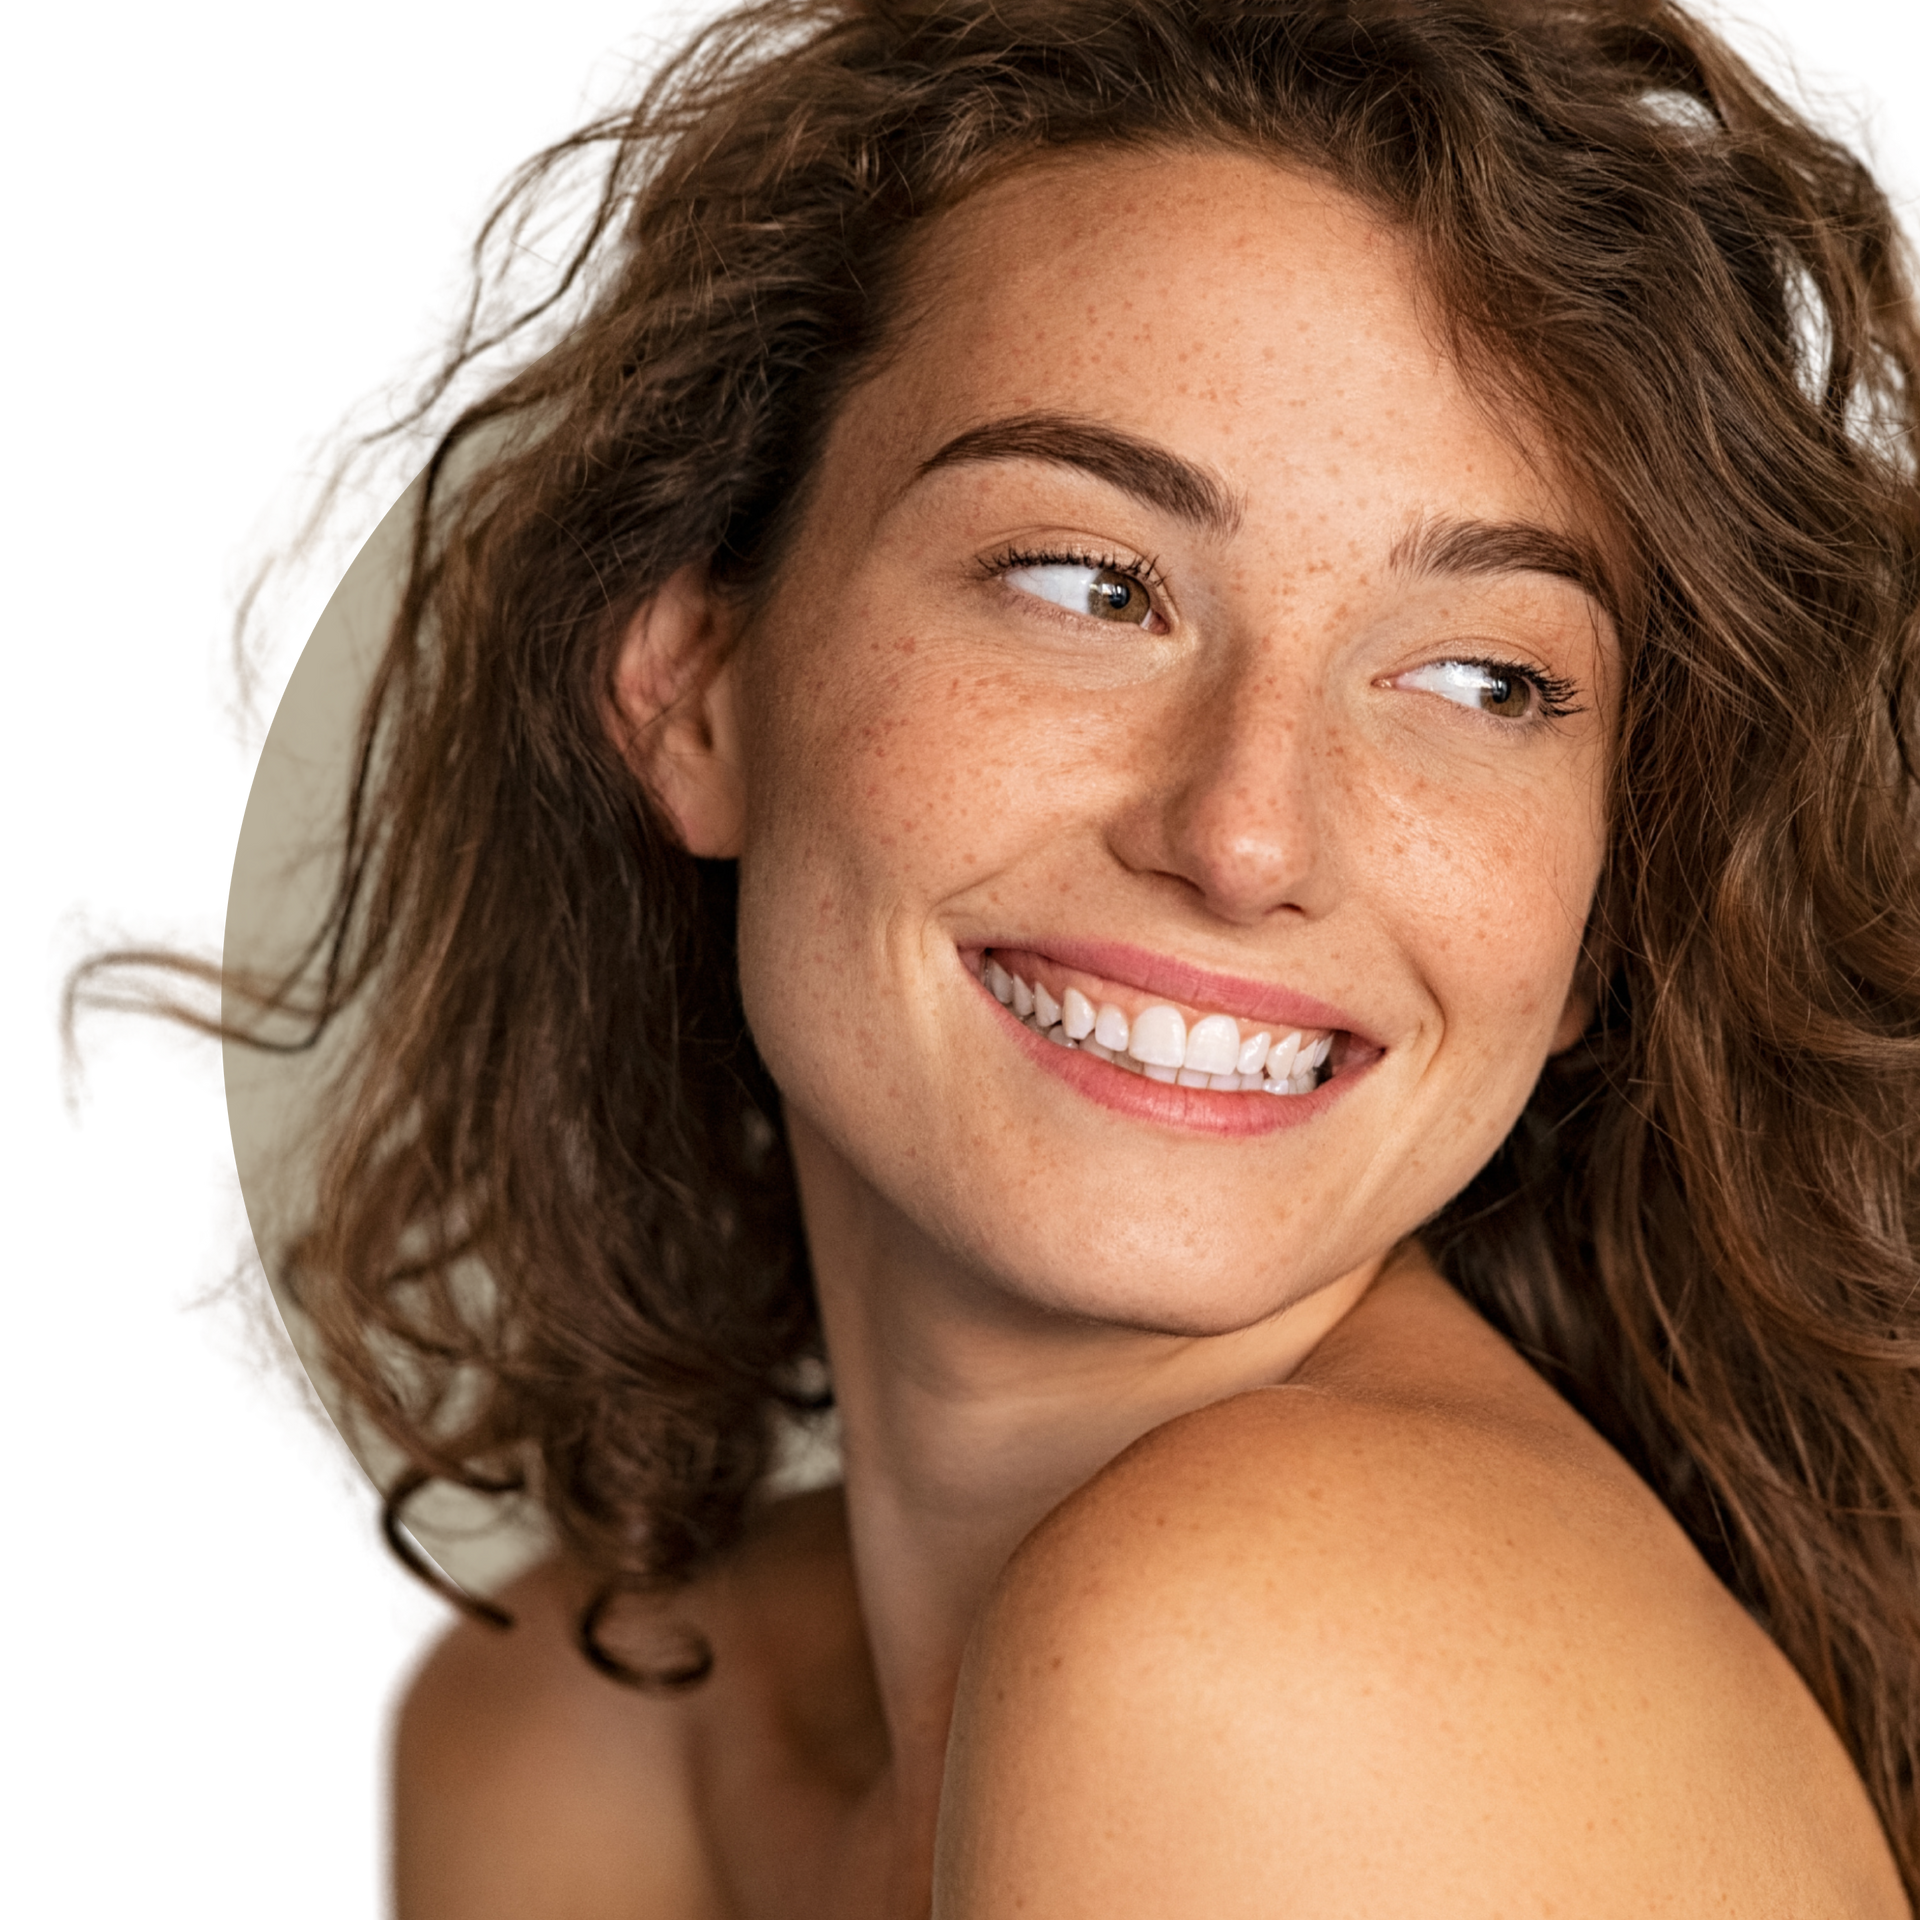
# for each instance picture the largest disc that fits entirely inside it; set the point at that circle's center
(1702, 1230)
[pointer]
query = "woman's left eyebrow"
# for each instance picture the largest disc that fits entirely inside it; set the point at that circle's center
(1149, 473)
(1449, 543)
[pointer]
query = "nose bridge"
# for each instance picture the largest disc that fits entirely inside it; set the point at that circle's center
(1240, 809)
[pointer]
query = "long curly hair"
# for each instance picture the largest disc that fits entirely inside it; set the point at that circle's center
(1702, 1230)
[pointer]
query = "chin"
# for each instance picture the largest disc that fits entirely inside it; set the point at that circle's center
(1168, 1276)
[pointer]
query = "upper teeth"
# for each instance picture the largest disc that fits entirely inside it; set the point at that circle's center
(1158, 1042)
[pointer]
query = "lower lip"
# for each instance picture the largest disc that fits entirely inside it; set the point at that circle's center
(1194, 1109)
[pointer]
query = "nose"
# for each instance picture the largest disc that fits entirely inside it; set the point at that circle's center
(1233, 805)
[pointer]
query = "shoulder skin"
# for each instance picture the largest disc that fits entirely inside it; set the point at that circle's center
(1403, 1637)
(529, 1787)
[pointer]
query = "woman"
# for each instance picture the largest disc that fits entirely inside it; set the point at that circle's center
(1186, 732)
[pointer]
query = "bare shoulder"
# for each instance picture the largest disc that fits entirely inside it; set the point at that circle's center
(511, 1778)
(528, 1784)
(1404, 1634)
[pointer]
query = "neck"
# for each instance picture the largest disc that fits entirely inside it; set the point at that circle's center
(967, 1415)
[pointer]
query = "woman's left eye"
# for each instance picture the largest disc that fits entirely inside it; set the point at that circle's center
(1103, 592)
(1486, 686)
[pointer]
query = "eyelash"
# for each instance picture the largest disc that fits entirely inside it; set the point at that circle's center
(1012, 559)
(1556, 695)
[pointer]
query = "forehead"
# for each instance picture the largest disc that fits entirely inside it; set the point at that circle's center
(1248, 315)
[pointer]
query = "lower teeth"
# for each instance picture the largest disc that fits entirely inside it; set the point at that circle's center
(1249, 1082)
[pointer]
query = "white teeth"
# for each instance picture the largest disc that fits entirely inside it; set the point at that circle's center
(1159, 1037)
(1213, 1045)
(1158, 1042)
(1300, 1083)
(1280, 1059)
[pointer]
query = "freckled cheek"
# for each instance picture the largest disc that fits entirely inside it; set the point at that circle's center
(922, 765)
(875, 799)
(1492, 900)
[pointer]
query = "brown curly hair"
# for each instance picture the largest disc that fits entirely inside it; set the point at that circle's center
(1702, 1230)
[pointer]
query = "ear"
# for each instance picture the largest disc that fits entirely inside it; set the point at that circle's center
(674, 717)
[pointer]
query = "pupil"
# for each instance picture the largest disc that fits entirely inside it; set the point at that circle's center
(1112, 596)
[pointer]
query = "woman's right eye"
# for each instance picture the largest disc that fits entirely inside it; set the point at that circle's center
(1103, 592)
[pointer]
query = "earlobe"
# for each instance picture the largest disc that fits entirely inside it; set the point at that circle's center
(674, 717)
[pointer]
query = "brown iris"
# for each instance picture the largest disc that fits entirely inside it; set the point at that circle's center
(1111, 595)
(1506, 695)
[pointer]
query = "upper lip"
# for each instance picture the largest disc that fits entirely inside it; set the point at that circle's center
(1130, 966)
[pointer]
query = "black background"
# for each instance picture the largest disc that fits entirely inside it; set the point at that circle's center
(221, 233)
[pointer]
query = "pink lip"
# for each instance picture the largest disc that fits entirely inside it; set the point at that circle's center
(1134, 967)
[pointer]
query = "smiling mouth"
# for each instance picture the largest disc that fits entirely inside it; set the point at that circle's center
(1176, 1045)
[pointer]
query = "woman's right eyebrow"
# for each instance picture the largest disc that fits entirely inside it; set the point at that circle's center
(1149, 473)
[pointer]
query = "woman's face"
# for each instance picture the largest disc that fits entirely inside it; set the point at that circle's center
(1169, 628)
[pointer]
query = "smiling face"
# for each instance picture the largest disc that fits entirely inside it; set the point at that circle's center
(1171, 627)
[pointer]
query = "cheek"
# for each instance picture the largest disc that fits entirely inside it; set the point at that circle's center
(882, 784)
(842, 773)
(1494, 883)
(894, 763)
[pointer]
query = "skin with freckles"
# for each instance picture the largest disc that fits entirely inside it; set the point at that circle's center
(935, 759)
(1167, 607)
